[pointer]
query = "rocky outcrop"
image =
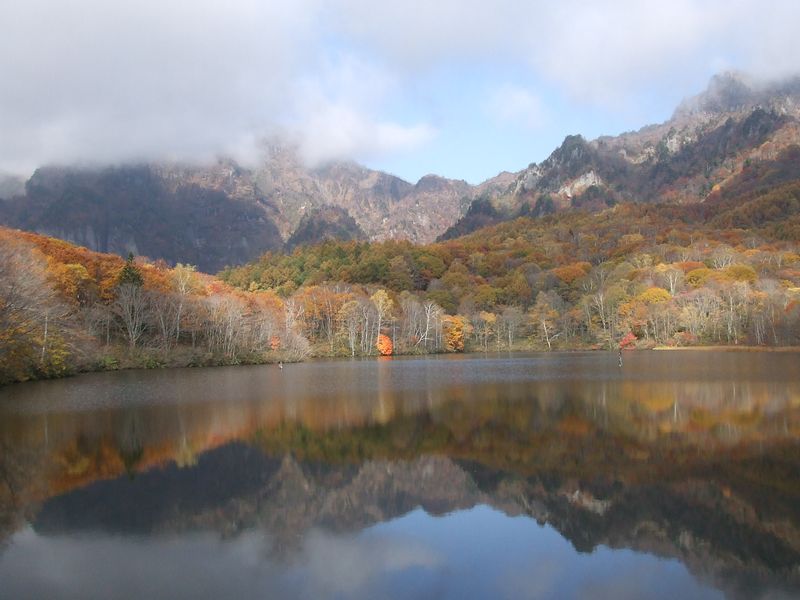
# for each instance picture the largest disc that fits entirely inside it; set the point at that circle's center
(706, 144)
(225, 214)
(326, 223)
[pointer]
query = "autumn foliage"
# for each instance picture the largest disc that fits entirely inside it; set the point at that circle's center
(628, 341)
(456, 330)
(665, 274)
(384, 345)
(65, 308)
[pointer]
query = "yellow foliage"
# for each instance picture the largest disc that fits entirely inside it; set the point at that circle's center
(631, 238)
(488, 317)
(653, 295)
(456, 328)
(741, 273)
(69, 278)
(699, 277)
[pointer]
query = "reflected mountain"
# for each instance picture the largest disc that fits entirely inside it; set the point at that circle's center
(701, 467)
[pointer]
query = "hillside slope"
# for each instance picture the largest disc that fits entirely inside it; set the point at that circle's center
(706, 145)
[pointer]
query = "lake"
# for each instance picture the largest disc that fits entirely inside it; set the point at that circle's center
(463, 476)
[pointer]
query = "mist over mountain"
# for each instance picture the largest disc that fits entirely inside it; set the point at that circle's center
(227, 214)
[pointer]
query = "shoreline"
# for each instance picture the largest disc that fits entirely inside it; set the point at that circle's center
(768, 349)
(731, 348)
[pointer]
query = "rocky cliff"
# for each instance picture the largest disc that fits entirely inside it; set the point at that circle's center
(225, 214)
(704, 147)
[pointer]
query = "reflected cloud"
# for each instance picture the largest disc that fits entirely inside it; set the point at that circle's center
(202, 566)
(354, 566)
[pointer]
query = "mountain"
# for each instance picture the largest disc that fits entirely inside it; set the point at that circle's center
(383, 206)
(326, 223)
(225, 214)
(709, 141)
(194, 216)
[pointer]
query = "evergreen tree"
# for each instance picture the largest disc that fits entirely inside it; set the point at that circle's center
(130, 273)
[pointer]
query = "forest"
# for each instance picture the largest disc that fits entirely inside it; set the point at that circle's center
(725, 272)
(635, 275)
(65, 309)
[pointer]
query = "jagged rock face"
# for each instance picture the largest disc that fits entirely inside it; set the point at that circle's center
(497, 185)
(383, 206)
(226, 214)
(704, 146)
(726, 124)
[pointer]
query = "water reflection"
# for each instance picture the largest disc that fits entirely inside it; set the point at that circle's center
(269, 475)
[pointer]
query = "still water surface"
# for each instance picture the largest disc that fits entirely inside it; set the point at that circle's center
(520, 476)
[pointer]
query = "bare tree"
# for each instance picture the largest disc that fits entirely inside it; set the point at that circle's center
(184, 277)
(132, 306)
(433, 322)
(383, 310)
(511, 320)
(165, 308)
(293, 312)
(544, 315)
(349, 318)
(225, 325)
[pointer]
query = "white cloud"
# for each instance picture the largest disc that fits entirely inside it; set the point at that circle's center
(92, 80)
(765, 35)
(516, 106)
(337, 114)
(598, 52)
(418, 34)
(353, 566)
(335, 131)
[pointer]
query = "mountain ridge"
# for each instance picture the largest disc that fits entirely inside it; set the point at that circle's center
(701, 148)
(227, 214)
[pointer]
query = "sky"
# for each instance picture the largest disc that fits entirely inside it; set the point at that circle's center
(460, 88)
